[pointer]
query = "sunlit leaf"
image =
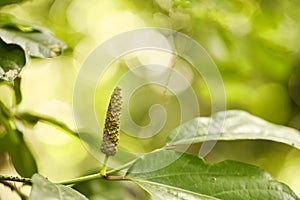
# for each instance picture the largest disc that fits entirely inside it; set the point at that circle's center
(44, 189)
(238, 125)
(36, 40)
(188, 177)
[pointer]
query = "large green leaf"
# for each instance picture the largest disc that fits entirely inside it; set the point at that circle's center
(188, 177)
(36, 40)
(238, 125)
(12, 60)
(44, 189)
(21, 156)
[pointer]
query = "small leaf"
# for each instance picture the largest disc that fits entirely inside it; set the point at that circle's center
(21, 156)
(44, 189)
(12, 60)
(238, 125)
(188, 177)
(36, 40)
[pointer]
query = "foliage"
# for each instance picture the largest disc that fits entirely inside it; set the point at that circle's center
(243, 38)
(225, 180)
(239, 125)
(42, 189)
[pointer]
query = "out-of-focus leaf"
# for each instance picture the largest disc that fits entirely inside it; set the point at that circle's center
(7, 2)
(17, 89)
(4, 110)
(188, 177)
(22, 157)
(36, 40)
(28, 117)
(44, 189)
(12, 60)
(4, 142)
(109, 190)
(238, 125)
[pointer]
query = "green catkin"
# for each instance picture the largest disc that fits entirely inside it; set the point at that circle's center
(112, 124)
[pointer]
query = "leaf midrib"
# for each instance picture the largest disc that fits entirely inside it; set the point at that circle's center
(172, 187)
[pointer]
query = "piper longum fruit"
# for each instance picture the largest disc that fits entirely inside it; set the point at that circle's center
(112, 124)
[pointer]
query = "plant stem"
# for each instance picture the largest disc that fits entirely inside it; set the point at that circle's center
(51, 121)
(12, 187)
(81, 179)
(76, 180)
(16, 179)
(103, 170)
(58, 124)
(99, 176)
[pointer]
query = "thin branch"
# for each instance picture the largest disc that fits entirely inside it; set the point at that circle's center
(103, 170)
(23, 180)
(81, 179)
(14, 188)
(27, 181)
(7, 184)
(116, 178)
(47, 120)
(99, 176)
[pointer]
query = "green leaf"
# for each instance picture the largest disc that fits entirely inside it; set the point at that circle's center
(12, 60)
(44, 189)
(238, 125)
(17, 89)
(36, 40)
(109, 190)
(188, 177)
(4, 141)
(7, 2)
(22, 157)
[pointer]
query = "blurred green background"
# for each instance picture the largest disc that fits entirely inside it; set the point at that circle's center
(255, 45)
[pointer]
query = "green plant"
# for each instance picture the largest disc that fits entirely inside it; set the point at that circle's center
(170, 172)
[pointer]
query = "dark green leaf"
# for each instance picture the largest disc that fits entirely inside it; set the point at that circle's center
(22, 157)
(44, 189)
(7, 2)
(238, 125)
(109, 190)
(4, 142)
(188, 177)
(17, 89)
(36, 40)
(12, 60)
